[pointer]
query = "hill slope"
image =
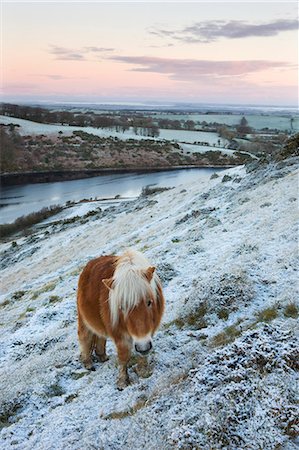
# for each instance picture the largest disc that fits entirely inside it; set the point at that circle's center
(224, 370)
(33, 147)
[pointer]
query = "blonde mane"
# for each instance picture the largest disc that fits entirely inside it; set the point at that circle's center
(129, 284)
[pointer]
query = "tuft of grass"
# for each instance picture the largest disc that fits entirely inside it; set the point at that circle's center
(223, 313)
(71, 220)
(8, 413)
(144, 248)
(148, 190)
(55, 299)
(18, 295)
(226, 178)
(78, 375)
(5, 303)
(197, 322)
(291, 310)
(196, 319)
(228, 335)
(268, 314)
(179, 323)
(24, 314)
(55, 390)
(71, 398)
(77, 271)
(46, 288)
(128, 412)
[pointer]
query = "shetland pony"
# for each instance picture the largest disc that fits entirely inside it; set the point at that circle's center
(118, 297)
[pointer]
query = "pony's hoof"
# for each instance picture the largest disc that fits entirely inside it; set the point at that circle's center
(102, 358)
(88, 365)
(122, 383)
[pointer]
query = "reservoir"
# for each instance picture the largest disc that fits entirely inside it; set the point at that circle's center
(20, 200)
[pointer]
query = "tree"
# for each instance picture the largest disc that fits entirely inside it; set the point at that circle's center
(243, 127)
(153, 131)
(292, 123)
(244, 122)
(189, 125)
(65, 117)
(226, 133)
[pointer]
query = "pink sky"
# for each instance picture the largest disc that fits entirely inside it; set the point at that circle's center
(221, 52)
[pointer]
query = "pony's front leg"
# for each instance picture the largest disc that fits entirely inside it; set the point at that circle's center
(124, 353)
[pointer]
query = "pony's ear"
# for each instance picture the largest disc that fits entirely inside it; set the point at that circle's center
(108, 283)
(148, 273)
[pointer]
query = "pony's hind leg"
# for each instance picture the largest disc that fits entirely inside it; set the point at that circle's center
(100, 349)
(86, 341)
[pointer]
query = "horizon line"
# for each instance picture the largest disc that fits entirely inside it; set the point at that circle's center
(145, 102)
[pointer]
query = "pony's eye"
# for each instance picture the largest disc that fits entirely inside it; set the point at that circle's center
(149, 303)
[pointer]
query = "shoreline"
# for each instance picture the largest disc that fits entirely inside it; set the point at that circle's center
(19, 178)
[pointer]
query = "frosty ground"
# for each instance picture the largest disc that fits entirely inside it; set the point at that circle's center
(224, 369)
(29, 127)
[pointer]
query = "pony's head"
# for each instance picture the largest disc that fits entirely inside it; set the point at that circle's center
(133, 298)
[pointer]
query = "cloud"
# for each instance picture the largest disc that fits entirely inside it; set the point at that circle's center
(58, 77)
(55, 77)
(192, 69)
(63, 53)
(213, 30)
(98, 49)
(83, 54)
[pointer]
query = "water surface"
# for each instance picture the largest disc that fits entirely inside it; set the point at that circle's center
(20, 200)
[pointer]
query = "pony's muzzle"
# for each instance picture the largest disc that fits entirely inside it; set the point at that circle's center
(143, 348)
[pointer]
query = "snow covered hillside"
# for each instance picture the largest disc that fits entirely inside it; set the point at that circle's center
(224, 369)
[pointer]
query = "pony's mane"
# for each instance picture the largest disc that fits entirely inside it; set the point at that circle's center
(129, 284)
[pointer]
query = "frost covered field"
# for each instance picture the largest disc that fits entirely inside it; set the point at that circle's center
(224, 371)
(28, 127)
(258, 121)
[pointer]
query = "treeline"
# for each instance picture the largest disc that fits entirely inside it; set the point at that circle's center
(177, 124)
(120, 122)
(140, 124)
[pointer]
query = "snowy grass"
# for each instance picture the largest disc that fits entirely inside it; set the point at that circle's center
(224, 369)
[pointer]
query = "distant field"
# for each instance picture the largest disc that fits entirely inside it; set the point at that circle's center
(28, 127)
(258, 122)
